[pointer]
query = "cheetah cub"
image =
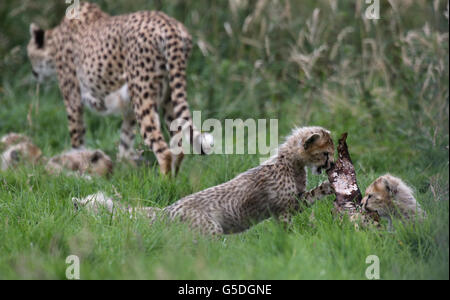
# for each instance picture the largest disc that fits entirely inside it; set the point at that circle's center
(390, 196)
(81, 162)
(274, 188)
(12, 139)
(17, 148)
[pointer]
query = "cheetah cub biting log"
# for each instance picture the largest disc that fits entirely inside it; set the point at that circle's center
(271, 189)
(132, 64)
(342, 177)
(390, 197)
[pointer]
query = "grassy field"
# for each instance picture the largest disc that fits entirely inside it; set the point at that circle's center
(301, 62)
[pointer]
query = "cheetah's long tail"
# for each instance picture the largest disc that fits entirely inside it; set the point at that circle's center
(181, 114)
(99, 202)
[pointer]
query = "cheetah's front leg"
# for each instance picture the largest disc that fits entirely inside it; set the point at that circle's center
(70, 89)
(309, 198)
(317, 193)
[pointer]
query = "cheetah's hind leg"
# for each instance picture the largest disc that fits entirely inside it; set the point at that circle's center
(201, 222)
(127, 151)
(180, 128)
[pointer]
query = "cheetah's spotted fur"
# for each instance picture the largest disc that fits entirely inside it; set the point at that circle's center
(133, 64)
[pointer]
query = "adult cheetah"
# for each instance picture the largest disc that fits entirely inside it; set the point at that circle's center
(132, 64)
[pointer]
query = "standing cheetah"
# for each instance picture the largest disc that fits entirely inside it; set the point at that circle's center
(272, 189)
(133, 64)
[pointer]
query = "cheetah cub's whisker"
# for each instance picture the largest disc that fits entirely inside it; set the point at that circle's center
(274, 189)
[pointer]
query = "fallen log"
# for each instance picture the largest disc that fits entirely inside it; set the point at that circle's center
(342, 177)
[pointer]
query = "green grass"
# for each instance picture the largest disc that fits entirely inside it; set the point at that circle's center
(396, 124)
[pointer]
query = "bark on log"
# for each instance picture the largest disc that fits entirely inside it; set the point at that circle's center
(343, 179)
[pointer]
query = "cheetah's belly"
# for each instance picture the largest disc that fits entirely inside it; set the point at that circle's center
(114, 103)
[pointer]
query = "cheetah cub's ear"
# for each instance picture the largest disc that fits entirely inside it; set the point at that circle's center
(311, 140)
(33, 28)
(390, 187)
(100, 164)
(96, 157)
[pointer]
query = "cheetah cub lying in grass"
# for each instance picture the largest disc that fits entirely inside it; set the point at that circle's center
(20, 149)
(274, 188)
(15, 148)
(390, 197)
(80, 163)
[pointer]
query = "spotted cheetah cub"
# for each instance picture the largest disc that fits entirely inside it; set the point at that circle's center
(17, 148)
(13, 139)
(274, 188)
(80, 162)
(390, 197)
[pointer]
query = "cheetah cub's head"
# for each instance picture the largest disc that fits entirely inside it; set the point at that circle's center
(100, 163)
(390, 196)
(24, 152)
(313, 147)
(40, 54)
(12, 139)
